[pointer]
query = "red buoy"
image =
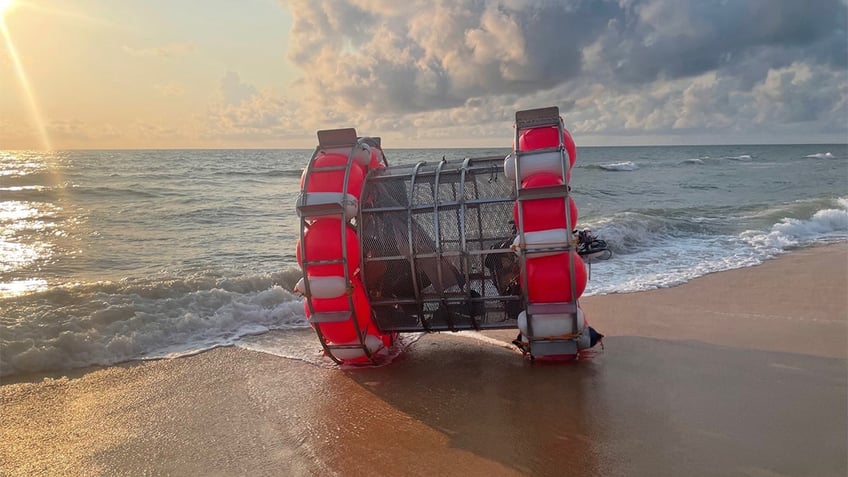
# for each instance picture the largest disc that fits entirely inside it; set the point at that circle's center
(544, 214)
(549, 280)
(333, 180)
(545, 137)
(323, 241)
(344, 331)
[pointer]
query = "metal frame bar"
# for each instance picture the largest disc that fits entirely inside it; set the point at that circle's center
(463, 241)
(412, 246)
(438, 239)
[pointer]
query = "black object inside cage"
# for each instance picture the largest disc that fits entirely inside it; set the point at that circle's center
(435, 243)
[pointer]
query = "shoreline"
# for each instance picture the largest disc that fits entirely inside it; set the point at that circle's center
(744, 301)
(727, 374)
(587, 303)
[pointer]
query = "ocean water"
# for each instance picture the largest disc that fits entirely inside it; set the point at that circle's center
(109, 256)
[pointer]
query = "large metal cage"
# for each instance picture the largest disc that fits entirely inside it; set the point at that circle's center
(433, 238)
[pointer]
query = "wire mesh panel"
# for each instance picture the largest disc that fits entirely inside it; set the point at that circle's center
(435, 245)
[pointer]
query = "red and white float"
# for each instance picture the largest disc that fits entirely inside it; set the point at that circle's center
(387, 250)
(328, 252)
(555, 273)
(327, 184)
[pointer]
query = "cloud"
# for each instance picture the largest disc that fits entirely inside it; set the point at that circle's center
(616, 67)
(155, 133)
(667, 39)
(233, 90)
(432, 56)
(246, 113)
(789, 102)
(799, 93)
(170, 89)
(16, 135)
(69, 128)
(76, 132)
(173, 50)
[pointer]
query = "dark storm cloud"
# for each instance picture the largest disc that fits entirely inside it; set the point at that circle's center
(431, 55)
(436, 55)
(671, 38)
(611, 65)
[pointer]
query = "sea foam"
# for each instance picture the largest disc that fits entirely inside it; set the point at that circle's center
(620, 166)
(100, 324)
(825, 225)
(655, 252)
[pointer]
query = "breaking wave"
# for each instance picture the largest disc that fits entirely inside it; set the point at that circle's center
(620, 166)
(662, 250)
(110, 322)
(821, 155)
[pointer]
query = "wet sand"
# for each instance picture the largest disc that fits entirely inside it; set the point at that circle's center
(737, 373)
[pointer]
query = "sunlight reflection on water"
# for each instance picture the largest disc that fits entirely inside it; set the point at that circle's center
(28, 224)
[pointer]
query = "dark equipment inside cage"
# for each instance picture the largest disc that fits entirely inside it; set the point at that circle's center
(428, 232)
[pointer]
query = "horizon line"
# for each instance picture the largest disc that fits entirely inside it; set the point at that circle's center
(410, 148)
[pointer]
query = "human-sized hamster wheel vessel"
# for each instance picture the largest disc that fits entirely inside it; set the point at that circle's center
(449, 245)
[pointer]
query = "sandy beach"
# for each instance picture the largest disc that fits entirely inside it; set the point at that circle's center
(742, 372)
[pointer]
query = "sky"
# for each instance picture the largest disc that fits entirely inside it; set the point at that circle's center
(114, 74)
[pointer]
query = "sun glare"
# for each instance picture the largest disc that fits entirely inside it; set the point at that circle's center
(5, 5)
